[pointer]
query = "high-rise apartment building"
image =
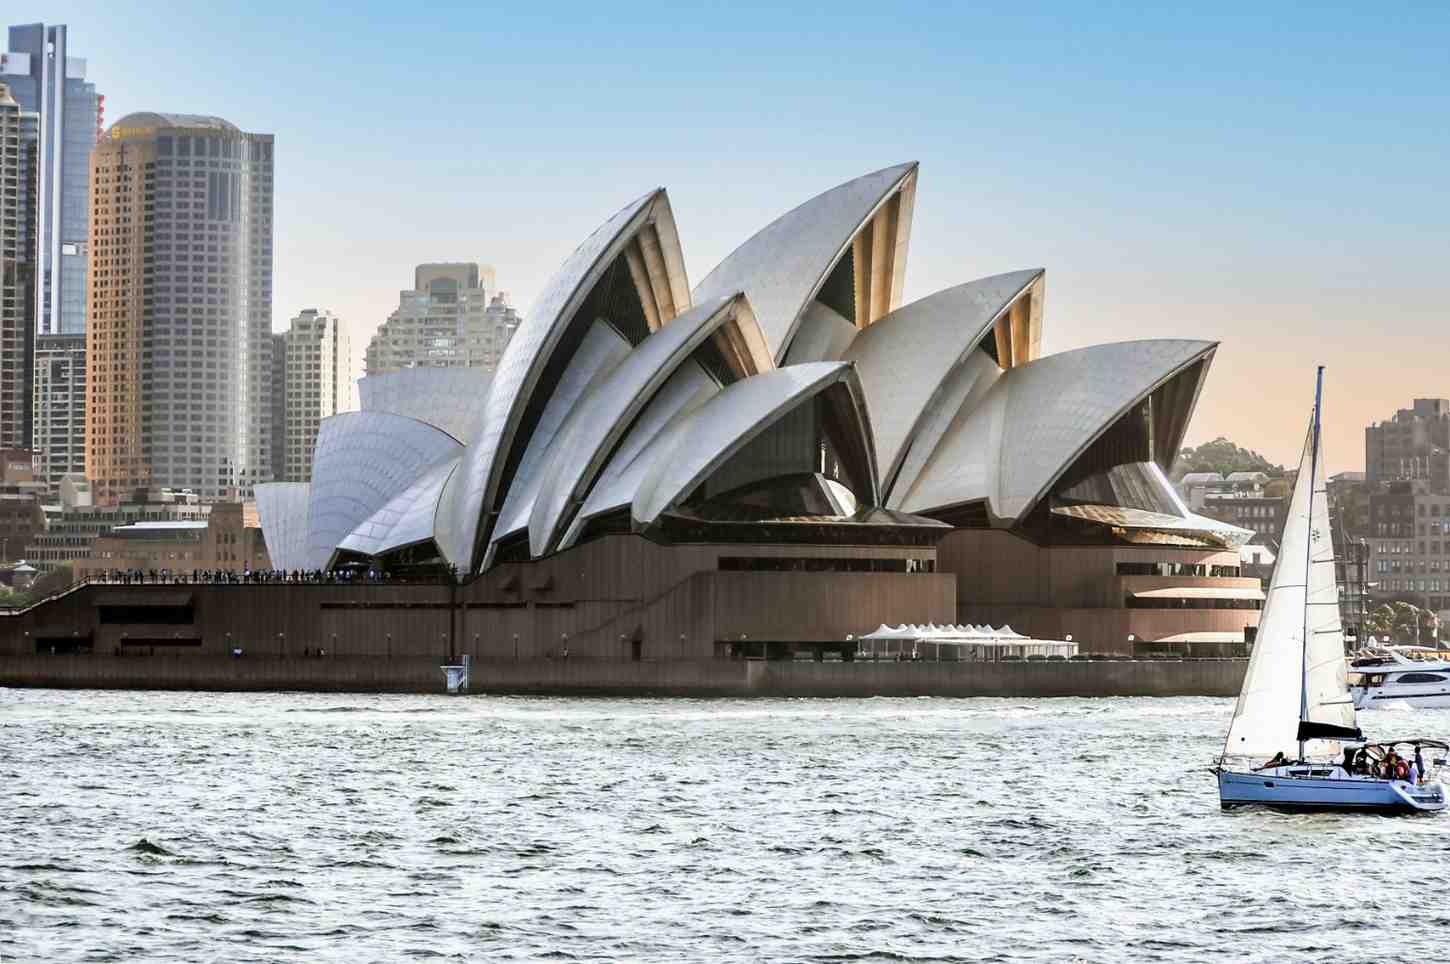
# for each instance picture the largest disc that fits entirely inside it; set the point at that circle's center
(46, 80)
(178, 333)
(59, 407)
(18, 173)
(1414, 446)
(453, 317)
(43, 77)
(319, 383)
(278, 406)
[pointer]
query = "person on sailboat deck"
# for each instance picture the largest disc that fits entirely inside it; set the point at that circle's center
(1351, 758)
(1278, 760)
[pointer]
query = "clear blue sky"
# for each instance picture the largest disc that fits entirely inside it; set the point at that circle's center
(1273, 178)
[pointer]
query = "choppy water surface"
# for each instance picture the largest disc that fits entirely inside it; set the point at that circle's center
(208, 827)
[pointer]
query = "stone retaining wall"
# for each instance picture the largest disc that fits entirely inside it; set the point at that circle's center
(670, 678)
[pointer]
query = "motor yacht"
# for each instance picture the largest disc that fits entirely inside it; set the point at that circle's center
(1399, 676)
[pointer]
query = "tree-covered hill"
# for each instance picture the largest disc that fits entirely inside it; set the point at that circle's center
(1221, 455)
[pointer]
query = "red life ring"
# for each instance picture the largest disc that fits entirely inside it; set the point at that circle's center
(1401, 771)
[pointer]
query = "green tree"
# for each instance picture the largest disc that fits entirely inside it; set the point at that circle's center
(52, 582)
(1223, 456)
(1402, 623)
(1380, 621)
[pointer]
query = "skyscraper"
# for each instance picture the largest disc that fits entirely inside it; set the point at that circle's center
(453, 317)
(18, 153)
(278, 405)
(44, 78)
(59, 407)
(178, 332)
(319, 383)
(1412, 446)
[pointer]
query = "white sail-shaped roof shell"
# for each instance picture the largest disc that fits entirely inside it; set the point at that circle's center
(474, 490)
(600, 353)
(782, 267)
(904, 358)
(961, 391)
(1302, 595)
(602, 403)
(282, 513)
(1035, 420)
(702, 442)
(362, 461)
(406, 519)
(646, 441)
(823, 335)
(450, 399)
(597, 425)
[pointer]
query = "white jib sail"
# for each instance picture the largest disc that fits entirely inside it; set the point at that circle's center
(1266, 719)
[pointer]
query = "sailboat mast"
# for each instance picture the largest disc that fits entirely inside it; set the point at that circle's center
(1309, 553)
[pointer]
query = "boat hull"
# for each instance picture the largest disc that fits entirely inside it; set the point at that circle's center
(1280, 791)
(1379, 697)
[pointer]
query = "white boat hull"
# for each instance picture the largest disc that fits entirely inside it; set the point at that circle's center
(1278, 788)
(1424, 697)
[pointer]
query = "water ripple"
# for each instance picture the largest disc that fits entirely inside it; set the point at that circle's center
(180, 827)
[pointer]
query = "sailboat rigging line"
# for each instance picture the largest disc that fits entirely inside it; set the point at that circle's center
(1309, 557)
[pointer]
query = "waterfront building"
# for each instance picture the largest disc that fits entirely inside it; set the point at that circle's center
(1240, 498)
(452, 318)
(47, 80)
(318, 383)
(1409, 545)
(1414, 446)
(21, 520)
(59, 404)
(227, 539)
(73, 525)
(783, 457)
(19, 145)
(179, 330)
(1264, 514)
(1195, 487)
(20, 513)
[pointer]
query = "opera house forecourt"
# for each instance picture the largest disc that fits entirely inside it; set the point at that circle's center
(724, 478)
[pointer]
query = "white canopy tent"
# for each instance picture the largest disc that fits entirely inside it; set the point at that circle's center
(958, 643)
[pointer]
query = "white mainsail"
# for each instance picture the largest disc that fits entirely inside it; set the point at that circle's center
(1303, 594)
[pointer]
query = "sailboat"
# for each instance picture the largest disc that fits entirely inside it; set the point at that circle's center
(1295, 697)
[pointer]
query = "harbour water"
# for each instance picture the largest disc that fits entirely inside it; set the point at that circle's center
(142, 826)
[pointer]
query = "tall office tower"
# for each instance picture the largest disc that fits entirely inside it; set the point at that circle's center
(18, 158)
(277, 405)
(178, 333)
(453, 317)
(319, 383)
(44, 78)
(59, 405)
(1412, 446)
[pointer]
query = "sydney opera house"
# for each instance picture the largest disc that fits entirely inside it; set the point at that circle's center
(781, 457)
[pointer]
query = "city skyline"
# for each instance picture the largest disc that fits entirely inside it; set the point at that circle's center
(1247, 196)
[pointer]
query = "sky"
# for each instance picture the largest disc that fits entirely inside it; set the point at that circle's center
(1272, 177)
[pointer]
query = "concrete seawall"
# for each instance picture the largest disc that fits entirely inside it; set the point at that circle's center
(672, 678)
